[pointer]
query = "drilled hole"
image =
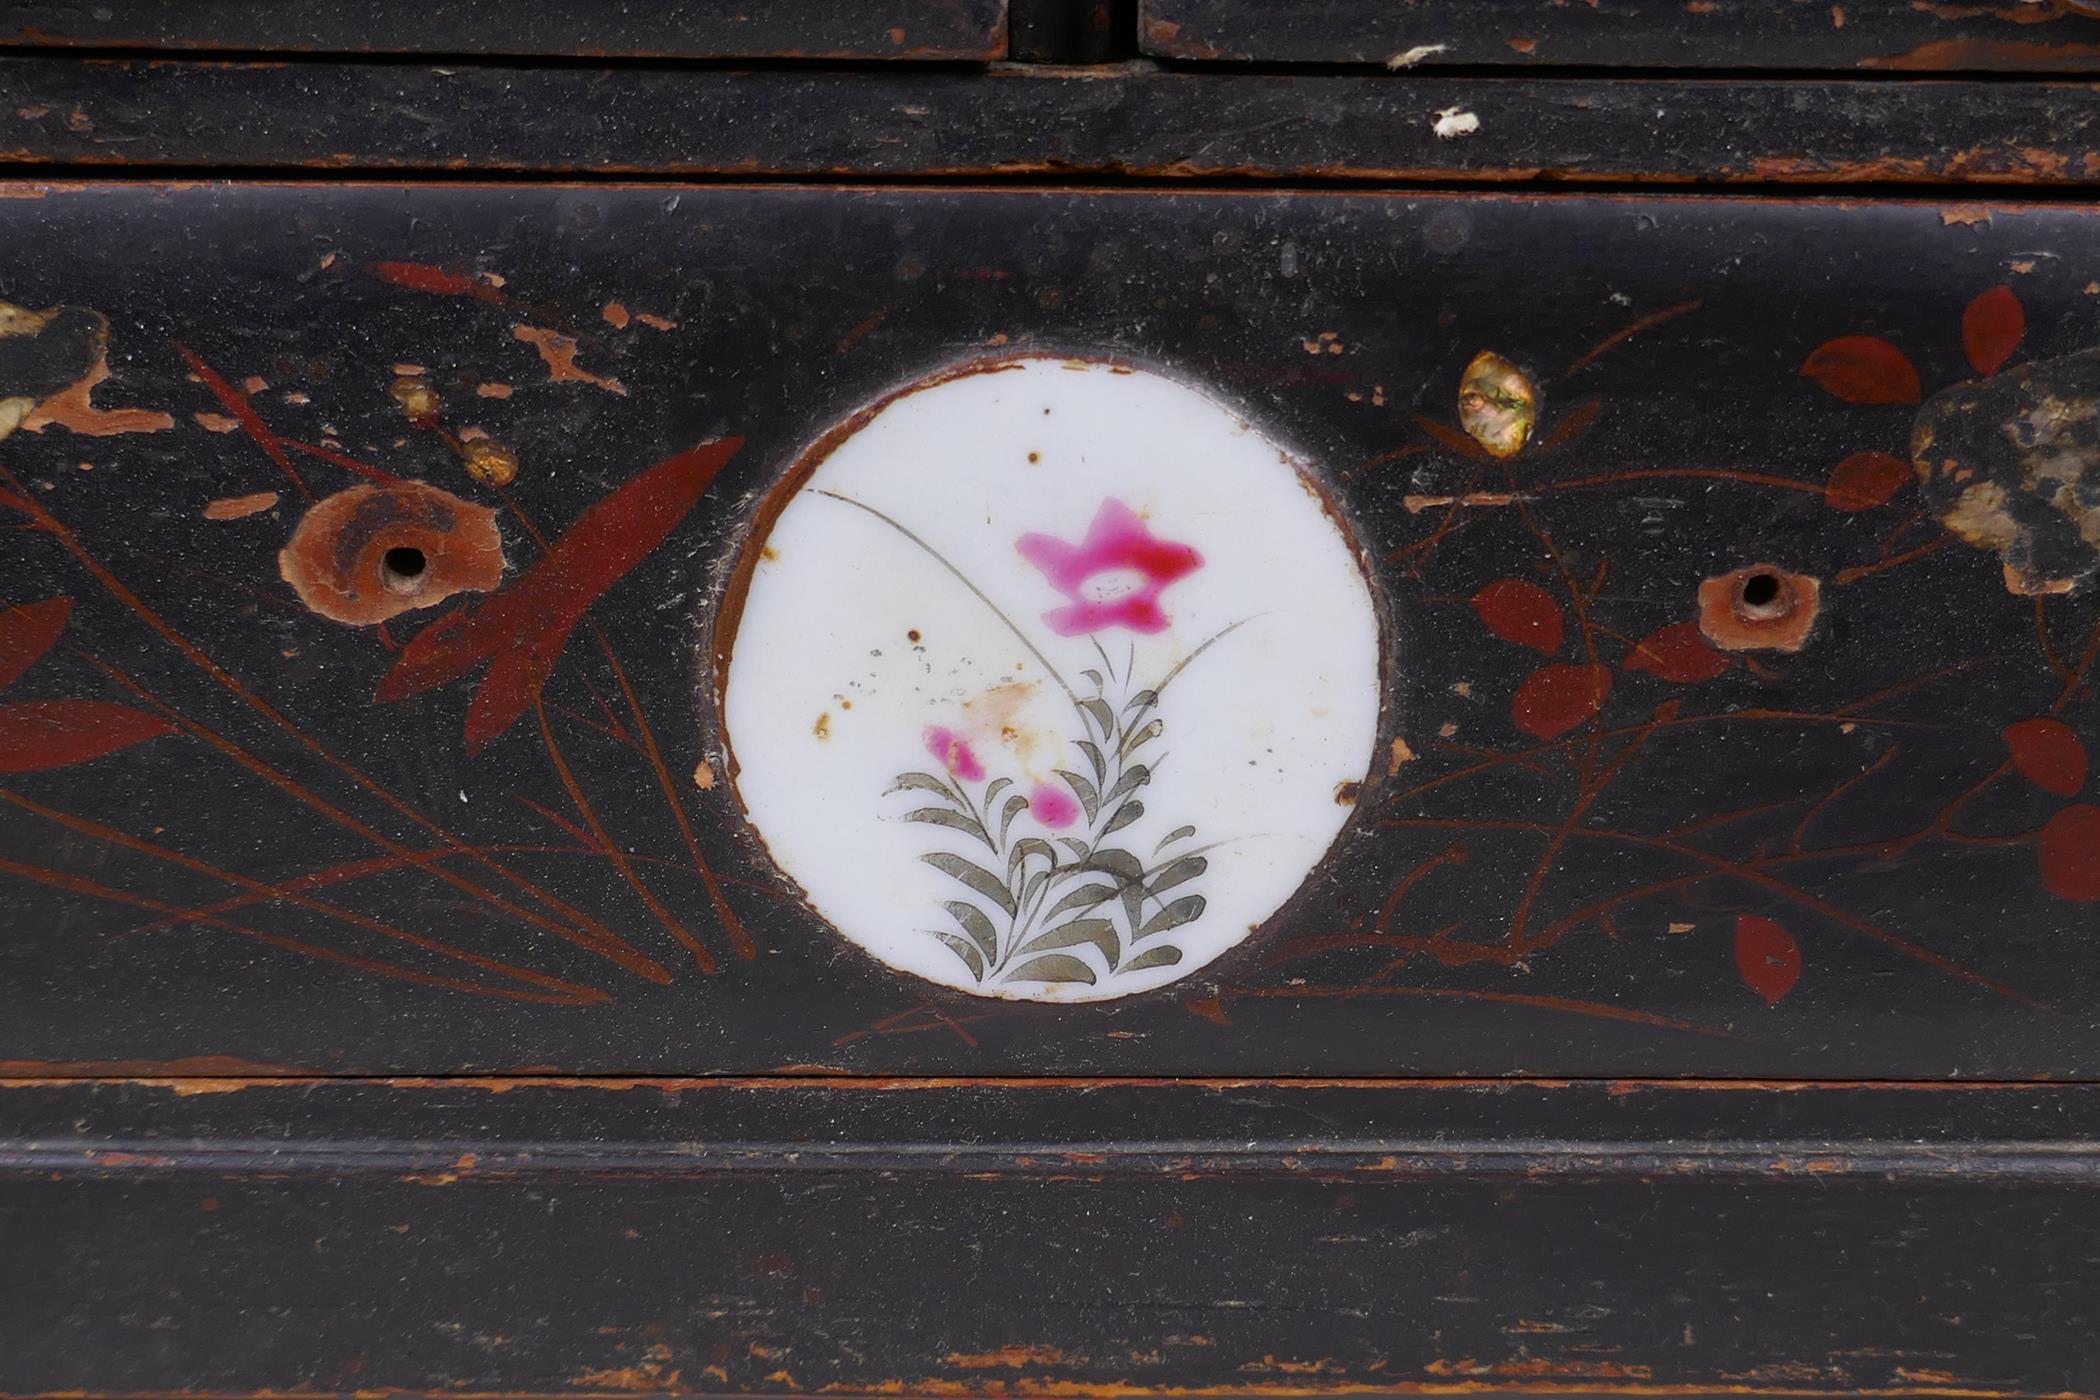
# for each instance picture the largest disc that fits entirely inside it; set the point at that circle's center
(1762, 595)
(401, 569)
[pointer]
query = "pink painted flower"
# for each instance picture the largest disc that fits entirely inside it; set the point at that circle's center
(1053, 807)
(1113, 577)
(952, 752)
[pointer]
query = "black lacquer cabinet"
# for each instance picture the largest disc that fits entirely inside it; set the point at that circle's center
(1051, 698)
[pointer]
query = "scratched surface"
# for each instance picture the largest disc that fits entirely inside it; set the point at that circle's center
(1593, 843)
(1029, 1285)
(1873, 35)
(865, 1237)
(1138, 119)
(856, 29)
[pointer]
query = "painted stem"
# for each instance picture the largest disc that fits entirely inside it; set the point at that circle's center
(964, 580)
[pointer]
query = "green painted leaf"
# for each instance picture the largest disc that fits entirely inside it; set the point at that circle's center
(1184, 910)
(941, 816)
(964, 951)
(920, 782)
(1129, 875)
(1035, 882)
(1099, 932)
(1165, 955)
(976, 925)
(1126, 814)
(1015, 805)
(1134, 777)
(1053, 967)
(1076, 846)
(1029, 846)
(992, 791)
(1094, 676)
(1179, 833)
(975, 876)
(1088, 797)
(1093, 758)
(1142, 701)
(1102, 715)
(1179, 873)
(1085, 897)
(1142, 737)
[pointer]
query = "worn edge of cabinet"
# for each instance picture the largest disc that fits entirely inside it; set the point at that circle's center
(1133, 120)
(878, 30)
(688, 1237)
(2031, 36)
(506, 1127)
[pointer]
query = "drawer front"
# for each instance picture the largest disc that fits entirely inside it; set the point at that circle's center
(857, 29)
(1877, 35)
(1562, 635)
(907, 121)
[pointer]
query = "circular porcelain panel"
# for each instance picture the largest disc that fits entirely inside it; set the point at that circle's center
(1052, 680)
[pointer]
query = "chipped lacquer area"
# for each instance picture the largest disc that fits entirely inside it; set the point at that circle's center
(1051, 679)
(1869, 35)
(800, 29)
(1677, 653)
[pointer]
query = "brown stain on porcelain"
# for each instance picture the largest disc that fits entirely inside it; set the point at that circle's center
(736, 587)
(370, 553)
(997, 711)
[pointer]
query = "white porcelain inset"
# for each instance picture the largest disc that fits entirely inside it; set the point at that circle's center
(1053, 680)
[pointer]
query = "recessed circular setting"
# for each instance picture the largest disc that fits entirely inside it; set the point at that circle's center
(1050, 679)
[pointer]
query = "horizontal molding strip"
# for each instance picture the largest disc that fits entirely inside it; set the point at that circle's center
(2026, 1163)
(504, 1129)
(1129, 121)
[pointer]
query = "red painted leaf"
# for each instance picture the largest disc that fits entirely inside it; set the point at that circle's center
(506, 692)
(2048, 754)
(1520, 612)
(422, 277)
(1767, 956)
(27, 632)
(1991, 329)
(1864, 369)
(537, 612)
(444, 651)
(1865, 480)
(1679, 652)
(1450, 437)
(2069, 853)
(1558, 697)
(1573, 424)
(41, 734)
